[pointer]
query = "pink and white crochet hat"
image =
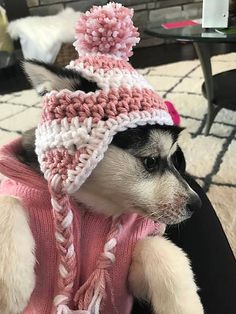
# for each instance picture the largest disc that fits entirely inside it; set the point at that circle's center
(77, 127)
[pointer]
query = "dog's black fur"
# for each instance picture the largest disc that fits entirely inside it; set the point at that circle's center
(79, 82)
(131, 139)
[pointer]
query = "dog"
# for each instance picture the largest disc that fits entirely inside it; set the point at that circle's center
(142, 172)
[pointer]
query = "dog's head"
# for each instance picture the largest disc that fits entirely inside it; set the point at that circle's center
(143, 169)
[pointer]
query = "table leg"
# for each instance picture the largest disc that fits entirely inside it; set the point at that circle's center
(205, 60)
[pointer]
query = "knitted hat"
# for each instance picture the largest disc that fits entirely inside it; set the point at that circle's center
(77, 127)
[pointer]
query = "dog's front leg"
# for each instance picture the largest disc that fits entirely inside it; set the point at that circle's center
(161, 274)
(17, 259)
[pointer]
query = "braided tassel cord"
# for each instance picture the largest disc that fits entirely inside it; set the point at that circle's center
(65, 243)
(90, 295)
(63, 309)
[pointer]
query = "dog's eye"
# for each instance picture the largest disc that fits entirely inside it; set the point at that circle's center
(151, 164)
(178, 160)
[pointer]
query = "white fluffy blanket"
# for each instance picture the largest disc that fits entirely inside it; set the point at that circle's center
(42, 37)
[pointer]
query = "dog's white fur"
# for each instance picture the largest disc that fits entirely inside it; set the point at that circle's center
(160, 271)
(17, 260)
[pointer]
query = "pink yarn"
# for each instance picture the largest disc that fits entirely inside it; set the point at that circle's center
(173, 112)
(100, 278)
(59, 161)
(107, 30)
(66, 259)
(12, 168)
(100, 105)
(106, 63)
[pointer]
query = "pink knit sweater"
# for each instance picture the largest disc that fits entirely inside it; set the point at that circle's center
(90, 235)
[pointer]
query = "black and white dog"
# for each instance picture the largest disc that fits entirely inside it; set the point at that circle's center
(142, 171)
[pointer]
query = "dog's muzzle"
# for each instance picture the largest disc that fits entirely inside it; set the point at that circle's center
(194, 203)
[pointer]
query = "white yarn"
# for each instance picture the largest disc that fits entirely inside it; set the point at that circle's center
(78, 176)
(63, 309)
(113, 78)
(65, 136)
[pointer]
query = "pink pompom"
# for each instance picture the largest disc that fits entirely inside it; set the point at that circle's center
(108, 30)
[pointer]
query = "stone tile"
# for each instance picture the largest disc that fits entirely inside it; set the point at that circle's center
(162, 83)
(190, 85)
(46, 10)
(226, 116)
(144, 71)
(193, 10)
(170, 3)
(197, 73)
(151, 5)
(140, 18)
(138, 7)
(217, 67)
(227, 171)
(223, 200)
(52, 1)
(174, 69)
(27, 97)
(32, 3)
(5, 137)
(191, 125)
(225, 57)
(163, 15)
(199, 161)
(221, 66)
(84, 5)
(189, 105)
(22, 121)
(162, 94)
(131, 2)
(222, 130)
(7, 110)
(6, 97)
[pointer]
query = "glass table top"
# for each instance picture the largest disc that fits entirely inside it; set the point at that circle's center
(189, 33)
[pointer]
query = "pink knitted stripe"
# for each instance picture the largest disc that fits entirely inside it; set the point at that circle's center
(104, 62)
(100, 105)
(59, 161)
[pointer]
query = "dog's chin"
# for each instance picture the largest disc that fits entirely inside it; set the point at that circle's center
(176, 220)
(172, 220)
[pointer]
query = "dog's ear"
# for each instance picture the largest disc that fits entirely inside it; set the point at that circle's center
(46, 77)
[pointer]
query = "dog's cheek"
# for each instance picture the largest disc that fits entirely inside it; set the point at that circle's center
(163, 195)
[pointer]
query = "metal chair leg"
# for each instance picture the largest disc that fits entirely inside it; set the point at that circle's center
(205, 60)
(212, 112)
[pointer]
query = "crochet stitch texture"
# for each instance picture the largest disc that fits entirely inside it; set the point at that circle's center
(75, 131)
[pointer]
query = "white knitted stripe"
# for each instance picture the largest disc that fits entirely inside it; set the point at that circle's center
(64, 134)
(101, 135)
(113, 78)
(63, 309)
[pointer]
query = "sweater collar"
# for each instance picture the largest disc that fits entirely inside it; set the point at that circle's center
(13, 169)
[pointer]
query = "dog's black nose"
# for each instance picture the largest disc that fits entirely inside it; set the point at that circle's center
(194, 203)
